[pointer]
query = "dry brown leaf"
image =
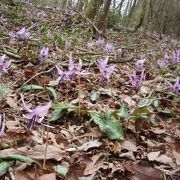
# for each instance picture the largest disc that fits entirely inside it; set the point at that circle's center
(129, 145)
(176, 152)
(51, 176)
(12, 103)
(129, 101)
(89, 145)
(153, 155)
(37, 152)
(117, 147)
(144, 173)
(165, 160)
(95, 164)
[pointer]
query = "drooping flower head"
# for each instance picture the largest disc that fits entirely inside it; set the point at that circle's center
(105, 70)
(108, 48)
(4, 65)
(23, 34)
(100, 42)
(136, 80)
(36, 115)
(44, 53)
(165, 61)
(62, 75)
(176, 57)
(2, 125)
(139, 64)
(175, 87)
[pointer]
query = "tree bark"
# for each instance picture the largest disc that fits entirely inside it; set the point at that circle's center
(101, 21)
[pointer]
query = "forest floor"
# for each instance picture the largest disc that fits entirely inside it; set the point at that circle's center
(96, 130)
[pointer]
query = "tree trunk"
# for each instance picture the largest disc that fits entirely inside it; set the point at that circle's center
(63, 4)
(93, 9)
(101, 21)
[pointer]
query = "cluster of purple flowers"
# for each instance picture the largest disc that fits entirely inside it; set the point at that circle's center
(107, 47)
(24, 34)
(138, 75)
(4, 65)
(174, 60)
(74, 70)
(175, 87)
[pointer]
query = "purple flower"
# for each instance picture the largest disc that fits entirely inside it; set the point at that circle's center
(4, 65)
(26, 1)
(109, 48)
(2, 125)
(176, 57)
(165, 61)
(106, 71)
(62, 75)
(36, 115)
(175, 87)
(100, 42)
(43, 54)
(139, 64)
(23, 34)
(136, 80)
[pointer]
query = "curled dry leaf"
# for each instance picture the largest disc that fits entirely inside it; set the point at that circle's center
(129, 145)
(89, 145)
(37, 152)
(143, 172)
(153, 155)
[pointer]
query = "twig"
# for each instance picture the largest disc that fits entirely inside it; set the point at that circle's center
(38, 75)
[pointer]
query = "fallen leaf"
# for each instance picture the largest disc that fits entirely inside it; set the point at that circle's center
(12, 103)
(129, 145)
(117, 147)
(89, 145)
(37, 152)
(51, 176)
(165, 160)
(129, 101)
(153, 155)
(176, 152)
(144, 172)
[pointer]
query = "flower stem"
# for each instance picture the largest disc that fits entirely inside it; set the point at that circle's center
(79, 105)
(46, 147)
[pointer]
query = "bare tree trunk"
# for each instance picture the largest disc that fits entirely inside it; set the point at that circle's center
(101, 21)
(156, 15)
(63, 4)
(93, 8)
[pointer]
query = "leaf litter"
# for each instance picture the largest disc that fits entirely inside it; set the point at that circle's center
(98, 126)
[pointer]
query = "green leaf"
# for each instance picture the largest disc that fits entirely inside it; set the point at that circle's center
(52, 91)
(61, 170)
(4, 90)
(64, 106)
(4, 166)
(123, 111)
(57, 114)
(31, 87)
(37, 87)
(108, 125)
(94, 95)
(146, 102)
(17, 157)
(140, 113)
